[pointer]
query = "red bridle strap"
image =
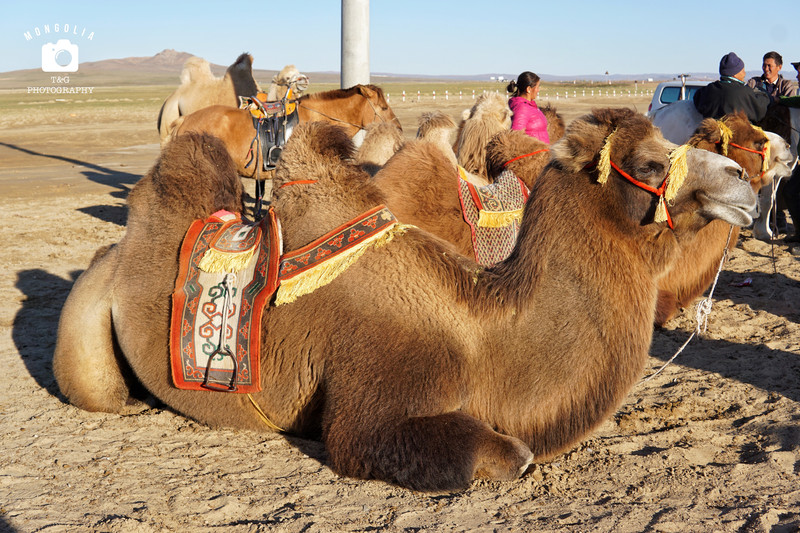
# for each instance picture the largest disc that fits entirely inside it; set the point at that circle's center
(659, 192)
(525, 155)
(298, 182)
(762, 153)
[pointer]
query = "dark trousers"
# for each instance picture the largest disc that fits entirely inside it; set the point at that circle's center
(791, 194)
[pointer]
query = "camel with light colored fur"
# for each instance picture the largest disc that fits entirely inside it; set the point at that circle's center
(199, 88)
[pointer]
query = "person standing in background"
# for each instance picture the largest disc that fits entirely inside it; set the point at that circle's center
(771, 81)
(730, 94)
(526, 114)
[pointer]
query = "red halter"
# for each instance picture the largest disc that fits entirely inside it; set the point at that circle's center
(525, 155)
(762, 153)
(659, 192)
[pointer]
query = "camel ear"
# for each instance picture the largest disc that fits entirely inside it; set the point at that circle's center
(580, 144)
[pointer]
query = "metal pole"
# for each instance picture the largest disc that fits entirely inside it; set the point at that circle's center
(355, 43)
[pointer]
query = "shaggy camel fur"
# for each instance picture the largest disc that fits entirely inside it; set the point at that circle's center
(354, 108)
(430, 199)
(411, 365)
(199, 88)
(489, 116)
(698, 261)
(381, 142)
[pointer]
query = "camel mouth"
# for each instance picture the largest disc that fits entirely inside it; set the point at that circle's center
(737, 211)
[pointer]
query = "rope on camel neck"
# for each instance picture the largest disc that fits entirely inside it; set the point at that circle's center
(702, 311)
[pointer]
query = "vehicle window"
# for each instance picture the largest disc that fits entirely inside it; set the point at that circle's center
(673, 94)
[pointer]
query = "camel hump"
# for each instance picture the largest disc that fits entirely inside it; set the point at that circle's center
(243, 63)
(196, 69)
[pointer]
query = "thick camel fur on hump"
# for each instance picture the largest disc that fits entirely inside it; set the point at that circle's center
(381, 142)
(199, 88)
(414, 366)
(489, 116)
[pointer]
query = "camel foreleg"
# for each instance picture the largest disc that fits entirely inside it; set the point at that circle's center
(431, 453)
(85, 363)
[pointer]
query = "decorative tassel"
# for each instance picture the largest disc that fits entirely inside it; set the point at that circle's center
(725, 134)
(312, 279)
(604, 162)
(217, 262)
(678, 170)
(661, 210)
(498, 219)
(766, 155)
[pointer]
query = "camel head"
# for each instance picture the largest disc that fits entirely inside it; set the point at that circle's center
(555, 122)
(651, 180)
(316, 168)
(288, 78)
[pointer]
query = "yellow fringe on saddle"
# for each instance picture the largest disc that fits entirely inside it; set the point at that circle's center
(217, 262)
(312, 279)
(498, 219)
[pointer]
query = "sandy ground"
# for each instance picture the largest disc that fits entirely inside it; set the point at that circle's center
(710, 444)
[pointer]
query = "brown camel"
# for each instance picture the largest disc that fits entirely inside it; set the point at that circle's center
(411, 365)
(354, 109)
(696, 265)
(432, 201)
(199, 88)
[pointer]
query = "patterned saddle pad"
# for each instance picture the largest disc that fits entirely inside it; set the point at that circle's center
(493, 213)
(228, 270)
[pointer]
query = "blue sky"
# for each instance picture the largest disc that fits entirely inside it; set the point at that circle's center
(559, 37)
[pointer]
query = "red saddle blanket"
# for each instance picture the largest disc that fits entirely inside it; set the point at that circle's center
(228, 270)
(493, 213)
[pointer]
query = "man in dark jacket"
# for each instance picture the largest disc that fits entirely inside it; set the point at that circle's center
(730, 94)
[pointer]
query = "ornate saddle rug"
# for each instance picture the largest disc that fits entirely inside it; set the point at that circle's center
(320, 262)
(228, 270)
(493, 213)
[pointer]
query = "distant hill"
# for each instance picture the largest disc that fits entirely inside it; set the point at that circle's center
(165, 67)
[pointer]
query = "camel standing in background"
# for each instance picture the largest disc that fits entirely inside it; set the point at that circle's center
(199, 88)
(413, 365)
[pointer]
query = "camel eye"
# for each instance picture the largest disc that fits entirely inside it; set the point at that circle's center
(650, 170)
(759, 146)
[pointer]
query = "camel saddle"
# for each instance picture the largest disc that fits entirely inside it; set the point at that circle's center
(229, 271)
(273, 122)
(493, 213)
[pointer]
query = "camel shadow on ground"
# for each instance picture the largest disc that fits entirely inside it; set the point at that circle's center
(36, 323)
(120, 181)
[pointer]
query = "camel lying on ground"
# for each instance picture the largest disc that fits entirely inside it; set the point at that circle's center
(413, 366)
(698, 261)
(199, 88)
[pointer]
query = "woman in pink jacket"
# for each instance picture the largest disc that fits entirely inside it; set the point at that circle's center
(527, 116)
